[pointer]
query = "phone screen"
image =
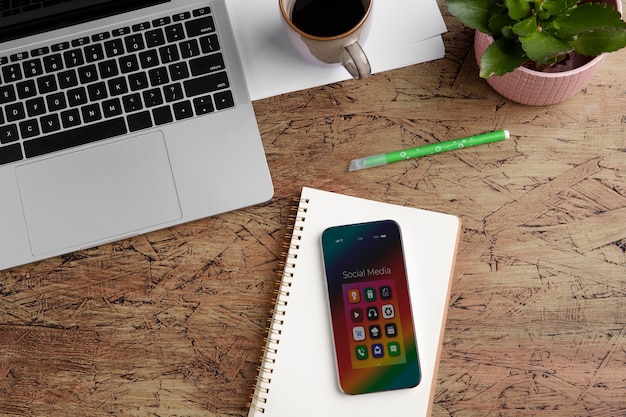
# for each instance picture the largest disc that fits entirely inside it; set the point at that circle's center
(370, 307)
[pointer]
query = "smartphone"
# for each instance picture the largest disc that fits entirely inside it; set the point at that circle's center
(370, 308)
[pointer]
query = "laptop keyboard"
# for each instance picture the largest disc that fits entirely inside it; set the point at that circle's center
(111, 83)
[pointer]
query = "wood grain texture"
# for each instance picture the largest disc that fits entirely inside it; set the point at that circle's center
(172, 323)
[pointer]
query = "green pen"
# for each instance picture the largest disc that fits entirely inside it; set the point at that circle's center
(387, 158)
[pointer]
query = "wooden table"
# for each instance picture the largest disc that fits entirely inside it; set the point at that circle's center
(172, 323)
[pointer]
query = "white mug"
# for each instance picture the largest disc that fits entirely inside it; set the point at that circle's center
(341, 47)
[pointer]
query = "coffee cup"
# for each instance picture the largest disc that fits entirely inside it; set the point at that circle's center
(330, 31)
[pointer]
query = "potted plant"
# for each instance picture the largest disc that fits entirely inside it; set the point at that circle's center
(541, 52)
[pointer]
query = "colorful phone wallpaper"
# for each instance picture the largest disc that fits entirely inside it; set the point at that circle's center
(370, 308)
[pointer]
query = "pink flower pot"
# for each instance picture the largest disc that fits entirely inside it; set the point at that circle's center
(537, 88)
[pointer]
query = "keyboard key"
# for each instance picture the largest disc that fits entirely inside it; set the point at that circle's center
(224, 100)
(206, 84)
(134, 43)
(129, 64)
(53, 63)
(141, 26)
(114, 47)
(15, 112)
(189, 49)
(73, 58)
(118, 86)
(183, 110)
(50, 123)
(20, 56)
(207, 64)
(68, 79)
(29, 128)
(169, 54)
(112, 108)
(121, 31)
(75, 137)
(201, 11)
(161, 21)
(155, 38)
(47, 84)
(175, 32)
(60, 47)
(158, 76)
(77, 96)
(94, 53)
(209, 44)
(70, 118)
(138, 81)
(108, 68)
(91, 113)
(181, 16)
(162, 115)
(35, 107)
(203, 105)
(179, 71)
(173, 92)
(8, 134)
(26, 89)
(100, 36)
(152, 97)
(40, 51)
(7, 94)
(11, 153)
(200, 26)
(56, 101)
(132, 102)
(139, 121)
(80, 41)
(88, 74)
(32, 68)
(97, 91)
(149, 59)
(11, 73)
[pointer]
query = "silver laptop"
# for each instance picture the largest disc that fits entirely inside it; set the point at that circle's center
(118, 118)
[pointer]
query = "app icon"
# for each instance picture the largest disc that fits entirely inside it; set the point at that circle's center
(388, 311)
(377, 350)
(391, 330)
(354, 296)
(357, 315)
(372, 313)
(375, 332)
(361, 352)
(358, 333)
(393, 348)
(370, 294)
(385, 292)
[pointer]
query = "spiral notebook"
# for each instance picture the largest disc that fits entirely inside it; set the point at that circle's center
(297, 375)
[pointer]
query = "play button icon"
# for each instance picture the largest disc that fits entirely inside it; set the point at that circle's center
(357, 315)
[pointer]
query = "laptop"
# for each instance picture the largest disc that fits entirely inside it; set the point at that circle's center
(118, 118)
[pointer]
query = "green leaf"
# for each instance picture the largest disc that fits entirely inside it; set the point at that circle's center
(541, 46)
(518, 9)
(554, 7)
(589, 17)
(500, 57)
(526, 27)
(596, 43)
(472, 13)
(498, 22)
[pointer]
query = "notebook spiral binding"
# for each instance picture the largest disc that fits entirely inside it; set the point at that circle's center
(289, 256)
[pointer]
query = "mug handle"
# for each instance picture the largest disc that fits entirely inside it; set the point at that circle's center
(356, 61)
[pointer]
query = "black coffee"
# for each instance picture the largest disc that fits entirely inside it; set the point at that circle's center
(327, 18)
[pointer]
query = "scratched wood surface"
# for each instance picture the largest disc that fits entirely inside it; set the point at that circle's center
(172, 323)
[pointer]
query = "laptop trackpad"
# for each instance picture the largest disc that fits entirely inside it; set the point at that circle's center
(95, 195)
